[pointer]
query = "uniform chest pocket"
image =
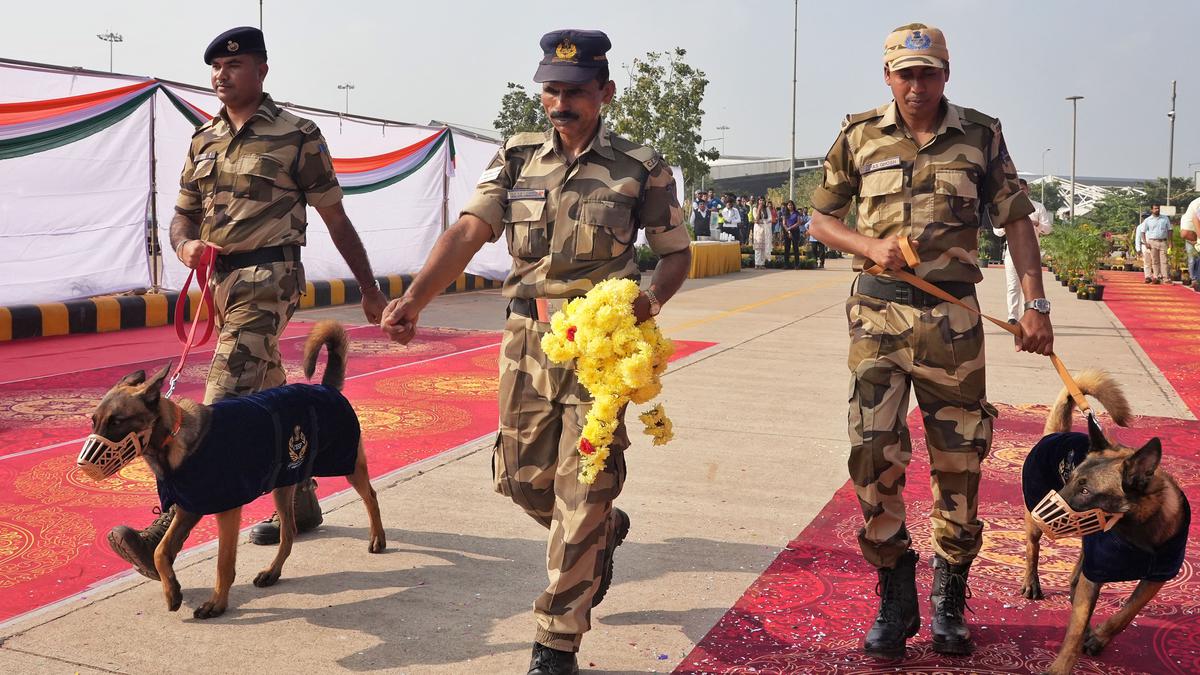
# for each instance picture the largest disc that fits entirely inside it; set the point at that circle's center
(204, 173)
(956, 198)
(882, 204)
(604, 229)
(261, 178)
(525, 223)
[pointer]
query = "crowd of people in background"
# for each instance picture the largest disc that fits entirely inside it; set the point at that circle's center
(758, 223)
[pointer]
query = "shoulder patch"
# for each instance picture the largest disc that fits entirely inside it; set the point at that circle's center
(976, 117)
(526, 138)
(206, 125)
(648, 157)
(857, 118)
(306, 126)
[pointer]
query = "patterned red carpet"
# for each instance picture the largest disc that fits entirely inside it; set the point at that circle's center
(413, 402)
(808, 612)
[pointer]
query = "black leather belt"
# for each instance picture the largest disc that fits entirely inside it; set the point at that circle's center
(262, 256)
(525, 307)
(898, 291)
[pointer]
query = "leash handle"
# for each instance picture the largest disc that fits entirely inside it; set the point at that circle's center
(202, 273)
(910, 257)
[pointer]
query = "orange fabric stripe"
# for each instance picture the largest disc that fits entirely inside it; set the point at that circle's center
(360, 164)
(29, 111)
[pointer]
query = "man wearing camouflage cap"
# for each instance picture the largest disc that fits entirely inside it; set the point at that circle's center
(249, 175)
(922, 169)
(570, 201)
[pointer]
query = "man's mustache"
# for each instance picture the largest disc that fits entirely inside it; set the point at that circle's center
(564, 115)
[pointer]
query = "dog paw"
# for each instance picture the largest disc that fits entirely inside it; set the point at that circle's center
(378, 543)
(1093, 645)
(1032, 590)
(209, 610)
(174, 596)
(266, 578)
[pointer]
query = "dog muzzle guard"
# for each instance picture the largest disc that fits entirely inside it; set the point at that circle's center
(1056, 519)
(100, 458)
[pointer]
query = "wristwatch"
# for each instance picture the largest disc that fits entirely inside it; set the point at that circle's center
(655, 305)
(1040, 305)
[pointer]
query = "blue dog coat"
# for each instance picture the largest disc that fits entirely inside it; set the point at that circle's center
(259, 442)
(1107, 557)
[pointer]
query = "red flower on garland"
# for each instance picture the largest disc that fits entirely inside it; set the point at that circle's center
(586, 447)
(571, 334)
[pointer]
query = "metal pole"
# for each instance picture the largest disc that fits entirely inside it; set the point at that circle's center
(792, 156)
(111, 38)
(260, 14)
(346, 87)
(1044, 175)
(1171, 152)
(723, 128)
(1074, 125)
(152, 241)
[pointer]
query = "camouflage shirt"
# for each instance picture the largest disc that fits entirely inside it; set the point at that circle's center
(934, 194)
(249, 188)
(572, 225)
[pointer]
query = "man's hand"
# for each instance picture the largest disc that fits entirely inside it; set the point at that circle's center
(1038, 333)
(887, 253)
(400, 320)
(1188, 235)
(191, 250)
(373, 303)
(641, 308)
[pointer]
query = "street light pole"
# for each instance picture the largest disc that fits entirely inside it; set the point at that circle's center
(1171, 152)
(1044, 175)
(260, 14)
(792, 156)
(1074, 119)
(346, 87)
(722, 129)
(111, 38)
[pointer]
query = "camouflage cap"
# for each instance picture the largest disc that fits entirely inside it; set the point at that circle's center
(573, 56)
(915, 45)
(241, 40)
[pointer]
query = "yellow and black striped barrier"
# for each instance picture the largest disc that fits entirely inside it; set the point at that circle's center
(108, 313)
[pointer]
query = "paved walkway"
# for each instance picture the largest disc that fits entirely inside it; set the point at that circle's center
(760, 447)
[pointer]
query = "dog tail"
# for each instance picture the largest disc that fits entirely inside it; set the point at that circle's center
(333, 336)
(1098, 384)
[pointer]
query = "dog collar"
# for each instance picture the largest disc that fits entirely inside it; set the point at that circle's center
(178, 424)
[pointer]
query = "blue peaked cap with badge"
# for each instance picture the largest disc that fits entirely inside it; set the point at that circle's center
(571, 55)
(235, 41)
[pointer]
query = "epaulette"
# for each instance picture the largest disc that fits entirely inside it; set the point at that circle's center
(647, 156)
(857, 118)
(524, 138)
(974, 116)
(306, 126)
(208, 124)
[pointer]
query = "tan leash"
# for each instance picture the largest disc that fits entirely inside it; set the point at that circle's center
(911, 258)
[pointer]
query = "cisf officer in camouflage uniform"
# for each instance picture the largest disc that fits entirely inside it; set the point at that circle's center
(926, 170)
(249, 174)
(570, 201)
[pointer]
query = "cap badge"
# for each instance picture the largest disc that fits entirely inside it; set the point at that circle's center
(918, 41)
(232, 46)
(565, 50)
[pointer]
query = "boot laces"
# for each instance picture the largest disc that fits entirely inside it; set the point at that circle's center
(163, 519)
(955, 594)
(549, 658)
(889, 602)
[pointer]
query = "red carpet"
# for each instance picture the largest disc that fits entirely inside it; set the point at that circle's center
(1165, 320)
(808, 612)
(413, 401)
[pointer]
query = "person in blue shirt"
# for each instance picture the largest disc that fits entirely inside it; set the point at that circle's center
(1155, 237)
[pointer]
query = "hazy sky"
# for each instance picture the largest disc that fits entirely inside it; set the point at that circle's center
(450, 60)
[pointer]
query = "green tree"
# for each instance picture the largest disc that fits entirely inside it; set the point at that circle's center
(520, 111)
(806, 182)
(1054, 199)
(1118, 212)
(1183, 191)
(661, 108)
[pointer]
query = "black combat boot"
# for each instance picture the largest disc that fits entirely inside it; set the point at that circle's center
(620, 528)
(308, 516)
(948, 600)
(899, 612)
(136, 547)
(547, 661)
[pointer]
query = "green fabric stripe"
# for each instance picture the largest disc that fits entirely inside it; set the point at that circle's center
(48, 140)
(183, 109)
(371, 187)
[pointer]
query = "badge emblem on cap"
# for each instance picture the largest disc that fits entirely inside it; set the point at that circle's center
(565, 50)
(918, 41)
(232, 46)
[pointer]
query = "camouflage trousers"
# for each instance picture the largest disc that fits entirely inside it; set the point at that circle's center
(253, 306)
(939, 352)
(536, 464)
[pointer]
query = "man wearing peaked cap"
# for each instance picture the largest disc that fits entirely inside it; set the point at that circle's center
(924, 170)
(569, 201)
(249, 176)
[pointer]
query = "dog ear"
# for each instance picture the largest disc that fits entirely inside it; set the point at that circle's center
(1097, 441)
(153, 389)
(1139, 468)
(133, 379)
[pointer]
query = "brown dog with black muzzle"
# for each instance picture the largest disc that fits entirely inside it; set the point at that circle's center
(1132, 515)
(215, 459)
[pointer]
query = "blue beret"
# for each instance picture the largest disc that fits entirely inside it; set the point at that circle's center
(572, 55)
(241, 40)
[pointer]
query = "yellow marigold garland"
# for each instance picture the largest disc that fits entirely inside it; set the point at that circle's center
(616, 359)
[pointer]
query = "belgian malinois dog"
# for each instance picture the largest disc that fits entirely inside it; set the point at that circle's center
(1148, 539)
(178, 451)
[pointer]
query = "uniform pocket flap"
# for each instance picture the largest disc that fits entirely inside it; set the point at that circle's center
(263, 166)
(610, 213)
(955, 183)
(204, 168)
(879, 183)
(520, 210)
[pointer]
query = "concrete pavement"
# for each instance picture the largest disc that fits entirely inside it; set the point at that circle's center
(760, 447)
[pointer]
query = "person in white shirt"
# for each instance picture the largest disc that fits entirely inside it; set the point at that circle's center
(1043, 223)
(732, 216)
(1188, 226)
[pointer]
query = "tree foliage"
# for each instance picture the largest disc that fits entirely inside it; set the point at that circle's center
(661, 108)
(1055, 198)
(806, 182)
(1118, 212)
(520, 111)
(1183, 191)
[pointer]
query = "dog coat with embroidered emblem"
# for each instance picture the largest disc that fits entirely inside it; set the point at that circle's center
(256, 443)
(1107, 557)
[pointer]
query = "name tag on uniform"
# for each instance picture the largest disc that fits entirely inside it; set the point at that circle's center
(526, 194)
(885, 164)
(490, 174)
(206, 155)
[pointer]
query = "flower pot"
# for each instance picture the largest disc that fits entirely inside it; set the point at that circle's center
(1176, 275)
(1127, 267)
(1096, 292)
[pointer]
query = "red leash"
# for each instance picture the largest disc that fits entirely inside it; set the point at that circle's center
(202, 273)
